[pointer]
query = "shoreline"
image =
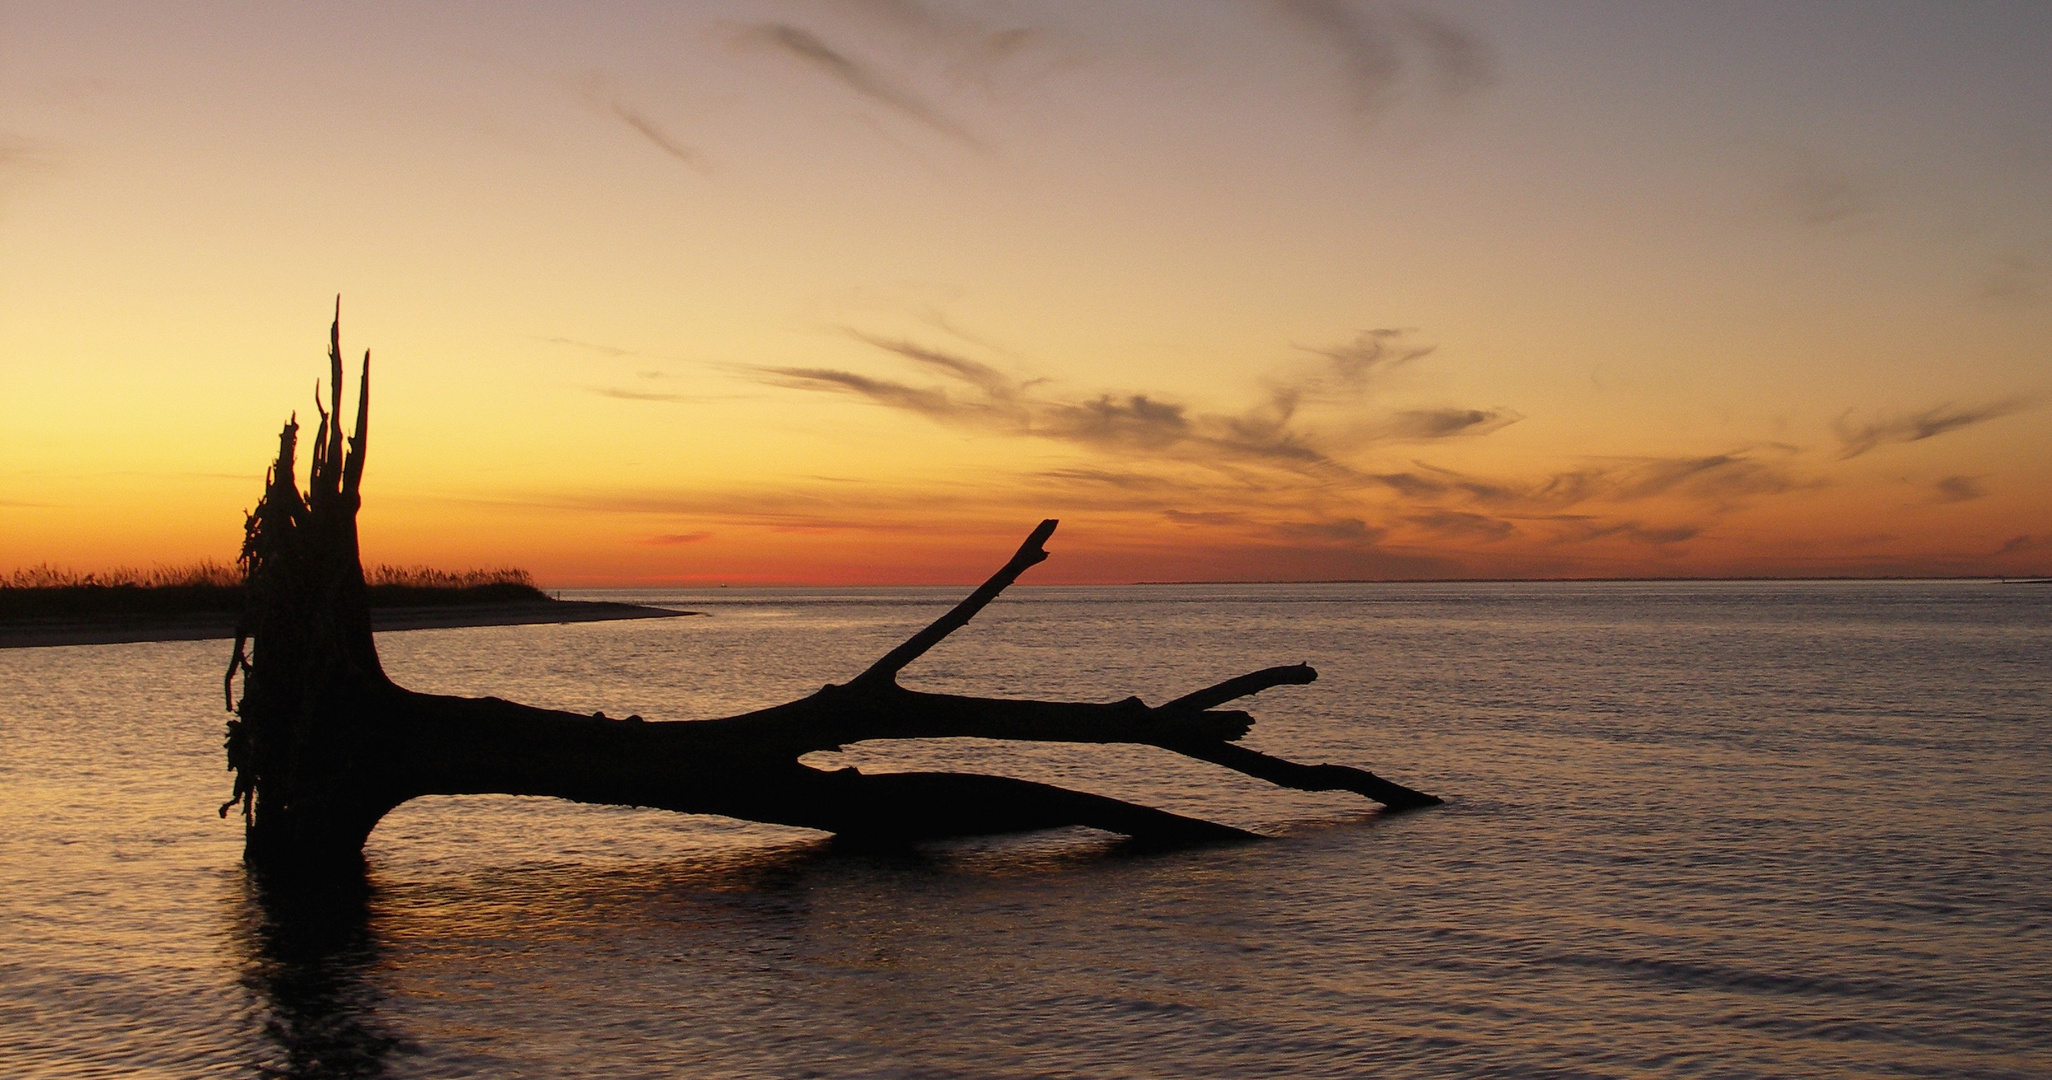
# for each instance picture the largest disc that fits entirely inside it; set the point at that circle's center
(212, 626)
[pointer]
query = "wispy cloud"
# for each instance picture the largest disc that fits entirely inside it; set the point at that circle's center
(1827, 198)
(970, 48)
(20, 153)
(983, 376)
(1953, 489)
(1269, 432)
(588, 346)
(1302, 465)
(1348, 531)
(1460, 523)
(2017, 545)
(1375, 43)
(1716, 481)
(1371, 353)
(661, 139)
(1124, 481)
(788, 506)
(603, 98)
(645, 395)
(927, 401)
(861, 78)
(1713, 477)
(1426, 424)
(1204, 517)
(1460, 60)
(1273, 469)
(673, 539)
(2016, 278)
(1578, 529)
(1124, 421)
(1856, 438)
(21, 159)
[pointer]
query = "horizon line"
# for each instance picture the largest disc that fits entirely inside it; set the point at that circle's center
(2000, 579)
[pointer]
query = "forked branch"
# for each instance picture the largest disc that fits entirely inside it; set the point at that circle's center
(874, 706)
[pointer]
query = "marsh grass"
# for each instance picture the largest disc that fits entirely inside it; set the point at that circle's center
(206, 572)
(427, 577)
(46, 591)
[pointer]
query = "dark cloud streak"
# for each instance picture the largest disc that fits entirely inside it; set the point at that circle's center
(806, 46)
(1462, 63)
(982, 396)
(1954, 489)
(1464, 524)
(1857, 438)
(1272, 473)
(2016, 278)
(1723, 480)
(663, 140)
(1371, 41)
(604, 350)
(1581, 528)
(931, 402)
(1370, 353)
(1348, 531)
(989, 379)
(970, 48)
(1124, 481)
(643, 395)
(1203, 517)
(2016, 545)
(1413, 424)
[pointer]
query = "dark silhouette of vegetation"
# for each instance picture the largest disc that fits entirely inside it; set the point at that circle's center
(323, 744)
(206, 572)
(44, 592)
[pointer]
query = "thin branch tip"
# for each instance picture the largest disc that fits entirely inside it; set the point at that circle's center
(1030, 554)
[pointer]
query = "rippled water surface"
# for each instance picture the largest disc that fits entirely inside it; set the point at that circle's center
(1693, 830)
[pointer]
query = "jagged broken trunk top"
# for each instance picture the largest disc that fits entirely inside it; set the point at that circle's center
(323, 744)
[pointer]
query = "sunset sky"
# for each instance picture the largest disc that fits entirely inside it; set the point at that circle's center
(859, 291)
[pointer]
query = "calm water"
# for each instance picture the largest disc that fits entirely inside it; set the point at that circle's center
(1713, 830)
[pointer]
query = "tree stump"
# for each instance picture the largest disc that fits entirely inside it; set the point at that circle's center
(323, 744)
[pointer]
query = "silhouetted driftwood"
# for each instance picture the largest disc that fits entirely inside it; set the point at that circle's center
(323, 744)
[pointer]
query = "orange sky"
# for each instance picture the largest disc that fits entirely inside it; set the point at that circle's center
(859, 291)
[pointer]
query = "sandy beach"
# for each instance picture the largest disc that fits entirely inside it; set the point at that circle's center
(116, 629)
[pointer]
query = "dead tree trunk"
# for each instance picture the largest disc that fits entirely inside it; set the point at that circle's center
(323, 744)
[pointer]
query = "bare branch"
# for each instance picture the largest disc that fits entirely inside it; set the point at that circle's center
(1289, 774)
(1242, 686)
(1029, 554)
(333, 449)
(352, 471)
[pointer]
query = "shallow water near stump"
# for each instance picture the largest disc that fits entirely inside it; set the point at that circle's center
(1719, 829)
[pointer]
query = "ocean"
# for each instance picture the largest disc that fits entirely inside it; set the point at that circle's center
(1797, 829)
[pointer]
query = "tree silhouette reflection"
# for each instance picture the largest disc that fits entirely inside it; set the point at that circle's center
(309, 958)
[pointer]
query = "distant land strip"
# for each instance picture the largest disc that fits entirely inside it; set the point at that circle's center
(112, 628)
(45, 605)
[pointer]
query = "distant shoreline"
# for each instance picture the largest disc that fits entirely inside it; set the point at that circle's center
(126, 628)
